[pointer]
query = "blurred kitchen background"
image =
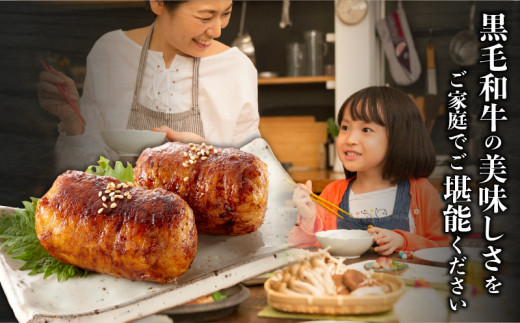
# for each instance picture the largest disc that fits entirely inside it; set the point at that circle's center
(294, 110)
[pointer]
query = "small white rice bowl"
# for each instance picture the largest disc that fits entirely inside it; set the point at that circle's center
(129, 142)
(345, 243)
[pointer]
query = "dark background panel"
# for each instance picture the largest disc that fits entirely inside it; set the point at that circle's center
(33, 30)
(437, 23)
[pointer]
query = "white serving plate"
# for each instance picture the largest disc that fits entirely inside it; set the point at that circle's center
(220, 262)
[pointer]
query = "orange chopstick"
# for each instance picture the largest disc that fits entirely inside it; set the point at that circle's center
(324, 203)
(64, 93)
(320, 199)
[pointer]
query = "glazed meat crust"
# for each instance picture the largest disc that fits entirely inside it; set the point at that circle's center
(150, 236)
(227, 190)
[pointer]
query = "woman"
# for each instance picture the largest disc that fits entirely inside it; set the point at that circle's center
(172, 76)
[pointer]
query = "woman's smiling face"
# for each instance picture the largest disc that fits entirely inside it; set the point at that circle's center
(361, 145)
(189, 30)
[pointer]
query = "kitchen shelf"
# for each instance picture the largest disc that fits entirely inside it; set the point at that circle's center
(294, 80)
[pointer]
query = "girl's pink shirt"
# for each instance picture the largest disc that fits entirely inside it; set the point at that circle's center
(425, 205)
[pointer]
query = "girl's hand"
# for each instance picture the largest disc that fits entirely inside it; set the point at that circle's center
(387, 240)
(185, 137)
(52, 100)
(306, 208)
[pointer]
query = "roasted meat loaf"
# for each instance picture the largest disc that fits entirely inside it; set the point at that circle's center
(225, 187)
(99, 224)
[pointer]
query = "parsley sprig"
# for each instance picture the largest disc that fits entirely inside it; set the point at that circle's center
(17, 231)
(218, 296)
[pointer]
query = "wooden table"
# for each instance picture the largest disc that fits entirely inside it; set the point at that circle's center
(248, 310)
(257, 301)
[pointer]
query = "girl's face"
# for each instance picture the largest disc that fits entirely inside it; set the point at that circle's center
(361, 145)
(190, 29)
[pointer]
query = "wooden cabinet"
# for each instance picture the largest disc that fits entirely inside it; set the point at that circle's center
(297, 140)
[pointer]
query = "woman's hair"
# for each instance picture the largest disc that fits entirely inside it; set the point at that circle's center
(170, 5)
(410, 150)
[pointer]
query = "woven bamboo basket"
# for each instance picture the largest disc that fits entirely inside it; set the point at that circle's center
(339, 304)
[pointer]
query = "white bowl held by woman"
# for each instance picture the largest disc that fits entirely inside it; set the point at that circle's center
(346, 243)
(129, 142)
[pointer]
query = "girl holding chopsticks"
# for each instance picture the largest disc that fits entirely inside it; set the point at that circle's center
(172, 76)
(387, 155)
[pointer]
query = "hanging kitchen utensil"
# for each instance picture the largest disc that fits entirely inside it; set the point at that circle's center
(431, 100)
(464, 47)
(286, 21)
(243, 41)
(399, 47)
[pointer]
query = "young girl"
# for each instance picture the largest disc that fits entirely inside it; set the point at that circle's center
(387, 155)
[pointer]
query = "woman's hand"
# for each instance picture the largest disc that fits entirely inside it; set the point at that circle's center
(387, 240)
(52, 100)
(306, 208)
(185, 137)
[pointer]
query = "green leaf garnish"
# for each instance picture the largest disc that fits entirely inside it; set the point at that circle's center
(218, 296)
(120, 172)
(17, 230)
(397, 265)
(19, 238)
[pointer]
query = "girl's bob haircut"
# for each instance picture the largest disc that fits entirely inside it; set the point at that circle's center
(410, 150)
